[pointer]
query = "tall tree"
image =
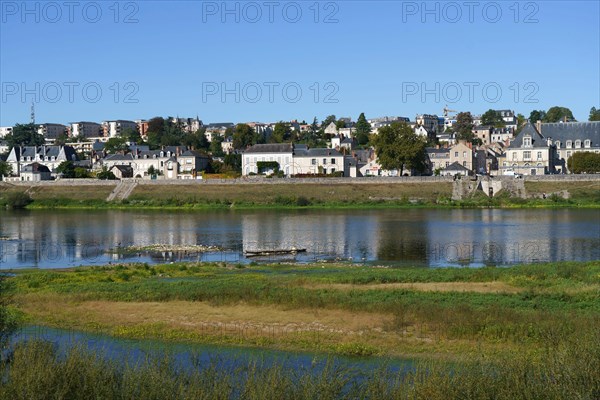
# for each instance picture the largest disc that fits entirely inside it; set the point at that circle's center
(492, 118)
(363, 129)
(116, 145)
(5, 169)
(26, 135)
(398, 147)
(556, 114)
(464, 126)
(243, 136)
(328, 120)
(537, 115)
(282, 132)
(215, 145)
(594, 114)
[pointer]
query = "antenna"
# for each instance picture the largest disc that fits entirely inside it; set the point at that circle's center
(32, 113)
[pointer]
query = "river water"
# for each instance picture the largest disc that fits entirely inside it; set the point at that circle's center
(421, 237)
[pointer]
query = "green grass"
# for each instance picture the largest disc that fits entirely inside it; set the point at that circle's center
(566, 371)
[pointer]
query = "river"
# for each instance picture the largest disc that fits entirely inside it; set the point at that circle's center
(421, 237)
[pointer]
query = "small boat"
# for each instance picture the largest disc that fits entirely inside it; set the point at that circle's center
(263, 253)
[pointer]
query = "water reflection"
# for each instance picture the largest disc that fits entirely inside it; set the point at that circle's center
(50, 239)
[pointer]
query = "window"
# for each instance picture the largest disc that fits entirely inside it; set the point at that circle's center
(526, 155)
(324, 161)
(578, 144)
(527, 141)
(568, 154)
(464, 154)
(447, 163)
(464, 163)
(514, 156)
(188, 161)
(313, 161)
(333, 162)
(539, 155)
(456, 154)
(557, 143)
(569, 144)
(588, 143)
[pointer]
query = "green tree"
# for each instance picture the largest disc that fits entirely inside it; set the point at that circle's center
(363, 129)
(132, 136)
(105, 174)
(116, 145)
(81, 173)
(537, 115)
(398, 147)
(464, 126)
(233, 162)
(215, 145)
(328, 120)
(282, 132)
(492, 118)
(594, 114)
(556, 114)
(584, 162)
(340, 124)
(5, 169)
(243, 136)
(66, 169)
(24, 134)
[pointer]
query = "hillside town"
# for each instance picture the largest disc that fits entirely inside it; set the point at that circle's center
(497, 143)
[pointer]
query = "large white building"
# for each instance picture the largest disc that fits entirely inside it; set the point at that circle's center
(86, 129)
(291, 160)
(51, 131)
(113, 129)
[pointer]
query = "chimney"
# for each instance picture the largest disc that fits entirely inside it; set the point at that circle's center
(549, 141)
(538, 126)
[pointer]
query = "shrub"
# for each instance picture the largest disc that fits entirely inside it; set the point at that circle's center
(302, 201)
(18, 200)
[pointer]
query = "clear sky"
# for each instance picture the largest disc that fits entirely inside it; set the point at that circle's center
(279, 60)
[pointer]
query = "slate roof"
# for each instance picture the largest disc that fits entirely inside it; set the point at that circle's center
(537, 140)
(50, 151)
(573, 131)
(35, 167)
(119, 157)
(271, 148)
(318, 152)
(455, 166)
(192, 153)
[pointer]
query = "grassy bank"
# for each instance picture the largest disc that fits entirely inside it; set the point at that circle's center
(569, 371)
(341, 309)
(304, 195)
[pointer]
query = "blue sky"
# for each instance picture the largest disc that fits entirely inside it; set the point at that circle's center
(135, 60)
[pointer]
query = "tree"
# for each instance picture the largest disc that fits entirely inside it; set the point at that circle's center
(328, 121)
(233, 162)
(24, 134)
(584, 162)
(464, 126)
(244, 136)
(398, 147)
(594, 114)
(363, 129)
(215, 145)
(492, 118)
(282, 132)
(116, 145)
(340, 124)
(537, 115)
(152, 171)
(131, 135)
(66, 169)
(5, 169)
(556, 114)
(105, 174)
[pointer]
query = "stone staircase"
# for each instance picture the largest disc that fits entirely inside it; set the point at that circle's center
(122, 191)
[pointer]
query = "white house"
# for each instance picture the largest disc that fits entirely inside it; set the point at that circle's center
(261, 156)
(113, 129)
